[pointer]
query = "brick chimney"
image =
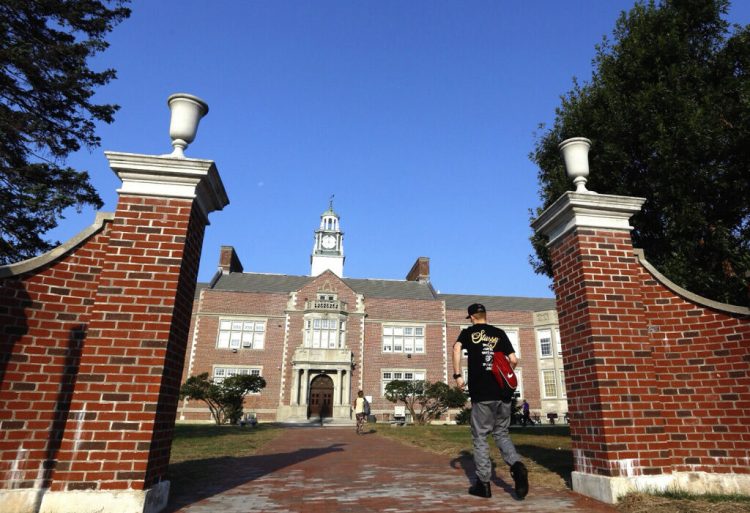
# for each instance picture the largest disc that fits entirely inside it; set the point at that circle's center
(229, 262)
(420, 271)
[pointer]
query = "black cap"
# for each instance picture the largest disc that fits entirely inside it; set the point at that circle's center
(476, 308)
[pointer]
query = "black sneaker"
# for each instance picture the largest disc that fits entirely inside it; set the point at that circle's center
(521, 477)
(481, 489)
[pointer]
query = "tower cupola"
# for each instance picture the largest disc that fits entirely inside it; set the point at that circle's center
(328, 249)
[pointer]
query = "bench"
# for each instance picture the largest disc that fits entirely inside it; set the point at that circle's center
(399, 415)
(551, 416)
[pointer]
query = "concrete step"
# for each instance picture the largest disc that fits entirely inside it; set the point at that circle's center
(315, 422)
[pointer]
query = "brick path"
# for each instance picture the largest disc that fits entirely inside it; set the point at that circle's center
(331, 470)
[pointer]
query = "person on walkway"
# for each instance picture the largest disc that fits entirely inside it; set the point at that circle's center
(490, 403)
(526, 413)
(359, 411)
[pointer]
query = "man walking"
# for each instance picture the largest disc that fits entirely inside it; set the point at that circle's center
(490, 403)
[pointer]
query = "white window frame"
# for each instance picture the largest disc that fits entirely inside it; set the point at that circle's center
(220, 372)
(546, 382)
(517, 343)
(244, 333)
(319, 334)
(563, 390)
(410, 335)
(464, 352)
(519, 390)
(557, 342)
(400, 374)
(539, 339)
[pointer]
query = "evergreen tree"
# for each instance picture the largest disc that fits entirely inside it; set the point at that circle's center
(668, 113)
(47, 113)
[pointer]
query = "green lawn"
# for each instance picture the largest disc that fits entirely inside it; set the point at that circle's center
(204, 441)
(545, 449)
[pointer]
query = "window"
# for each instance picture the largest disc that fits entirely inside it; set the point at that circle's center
(403, 339)
(519, 390)
(545, 343)
(234, 334)
(559, 344)
(550, 384)
(513, 337)
(464, 352)
(563, 393)
(324, 333)
(406, 375)
(225, 372)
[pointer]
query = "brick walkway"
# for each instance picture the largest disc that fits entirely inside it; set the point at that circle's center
(331, 470)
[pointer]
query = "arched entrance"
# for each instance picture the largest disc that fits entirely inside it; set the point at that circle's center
(321, 396)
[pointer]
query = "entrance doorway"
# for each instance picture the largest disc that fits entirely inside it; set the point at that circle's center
(321, 396)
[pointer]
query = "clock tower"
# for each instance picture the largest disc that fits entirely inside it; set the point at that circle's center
(328, 250)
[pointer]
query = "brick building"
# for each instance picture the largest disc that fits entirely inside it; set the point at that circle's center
(318, 339)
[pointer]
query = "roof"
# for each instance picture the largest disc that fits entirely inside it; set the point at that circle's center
(391, 289)
(198, 287)
(387, 289)
(284, 284)
(498, 303)
(258, 282)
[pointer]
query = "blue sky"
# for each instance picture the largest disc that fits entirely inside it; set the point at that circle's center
(418, 116)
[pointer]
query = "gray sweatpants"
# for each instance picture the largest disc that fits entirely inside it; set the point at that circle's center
(491, 417)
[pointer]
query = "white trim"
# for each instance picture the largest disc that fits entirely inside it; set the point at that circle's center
(538, 337)
(166, 176)
(519, 388)
(517, 345)
(586, 210)
(610, 489)
(446, 360)
(695, 298)
(544, 383)
(36, 262)
(403, 350)
(151, 500)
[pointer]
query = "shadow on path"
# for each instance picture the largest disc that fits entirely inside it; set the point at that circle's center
(465, 460)
(215, 475)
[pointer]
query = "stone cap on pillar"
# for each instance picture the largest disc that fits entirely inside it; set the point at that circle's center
(586, 210)
(170, 177)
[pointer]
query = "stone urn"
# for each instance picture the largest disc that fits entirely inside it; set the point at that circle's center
(187, 111)
(575, 153)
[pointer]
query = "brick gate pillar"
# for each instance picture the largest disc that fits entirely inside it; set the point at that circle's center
(609, 374)
(613, 394)
(117, 440)
(638, 351)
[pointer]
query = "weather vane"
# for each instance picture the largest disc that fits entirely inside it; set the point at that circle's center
(330, 202)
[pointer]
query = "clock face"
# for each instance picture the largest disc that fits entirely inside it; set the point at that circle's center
(329, 242)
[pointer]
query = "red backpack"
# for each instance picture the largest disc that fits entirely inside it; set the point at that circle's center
(503, 372)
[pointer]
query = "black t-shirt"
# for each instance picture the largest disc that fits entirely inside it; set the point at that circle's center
(480, 341)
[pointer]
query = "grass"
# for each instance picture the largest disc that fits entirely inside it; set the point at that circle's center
(681, 502)
(546, 450)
